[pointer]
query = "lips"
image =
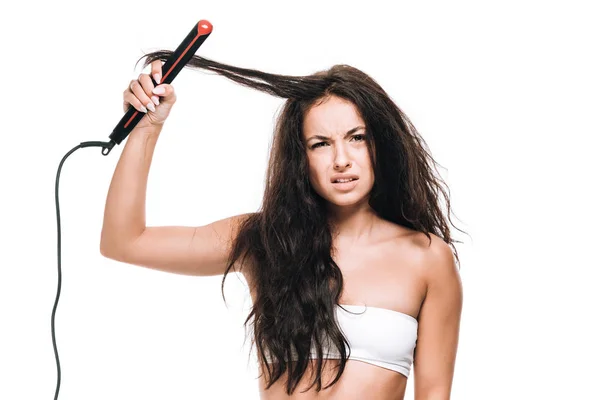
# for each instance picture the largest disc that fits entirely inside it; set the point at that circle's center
(345, 186)
(343, 176)
(344, 180)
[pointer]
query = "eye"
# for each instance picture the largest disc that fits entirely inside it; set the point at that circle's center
(362, 138)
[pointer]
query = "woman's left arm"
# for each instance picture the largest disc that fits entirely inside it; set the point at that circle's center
(439, 323)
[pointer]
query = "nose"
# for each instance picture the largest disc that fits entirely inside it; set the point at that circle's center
(341, 159)
(344, 165)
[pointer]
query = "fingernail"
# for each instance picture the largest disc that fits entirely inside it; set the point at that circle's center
(144, 109)
(158, 90)
(151, 106)
(157, 78)
(155, 99)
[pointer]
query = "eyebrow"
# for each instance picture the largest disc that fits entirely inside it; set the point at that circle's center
(350, 132)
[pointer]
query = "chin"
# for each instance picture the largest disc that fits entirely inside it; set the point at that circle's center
(346, 199)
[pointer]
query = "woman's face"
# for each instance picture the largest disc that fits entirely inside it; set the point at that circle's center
(335, 142)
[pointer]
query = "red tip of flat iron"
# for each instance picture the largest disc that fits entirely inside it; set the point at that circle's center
(204, 27)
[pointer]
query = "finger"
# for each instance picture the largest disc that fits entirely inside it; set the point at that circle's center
(167, 93)
(147, 85)
(130, 99)
(157, 71)
(141, 95)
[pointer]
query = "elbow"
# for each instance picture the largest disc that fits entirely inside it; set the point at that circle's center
(109, 245)
(109, 251)
(104, 251)
(116, 246)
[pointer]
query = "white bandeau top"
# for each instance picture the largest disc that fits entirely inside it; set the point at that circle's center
(377, 336)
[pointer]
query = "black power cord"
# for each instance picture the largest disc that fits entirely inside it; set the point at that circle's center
(175, 62)
(106, 147)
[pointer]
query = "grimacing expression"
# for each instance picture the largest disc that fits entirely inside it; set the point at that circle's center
(336, 143)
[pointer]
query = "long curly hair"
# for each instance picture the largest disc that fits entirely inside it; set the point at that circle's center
(288, 242)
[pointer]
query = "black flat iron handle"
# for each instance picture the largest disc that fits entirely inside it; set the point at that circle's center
(170, 69)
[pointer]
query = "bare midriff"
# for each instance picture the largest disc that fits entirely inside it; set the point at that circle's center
(359, 380)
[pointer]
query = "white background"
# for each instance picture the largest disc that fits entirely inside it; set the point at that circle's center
(506, 95)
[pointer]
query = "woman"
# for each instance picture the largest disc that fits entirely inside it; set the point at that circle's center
(349, 265)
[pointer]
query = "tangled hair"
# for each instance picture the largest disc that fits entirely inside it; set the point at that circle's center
(289, 241)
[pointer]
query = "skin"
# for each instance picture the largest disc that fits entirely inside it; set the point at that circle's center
(384, 265)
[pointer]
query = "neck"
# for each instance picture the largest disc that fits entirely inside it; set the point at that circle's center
(353, 224)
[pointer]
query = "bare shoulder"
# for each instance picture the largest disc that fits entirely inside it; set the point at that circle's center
(437, 267)
(422, 250)
(431, 258)
(436, 258)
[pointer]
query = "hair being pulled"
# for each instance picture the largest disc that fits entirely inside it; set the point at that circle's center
(284, 86)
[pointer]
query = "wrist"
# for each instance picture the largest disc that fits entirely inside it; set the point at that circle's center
(149, 130)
